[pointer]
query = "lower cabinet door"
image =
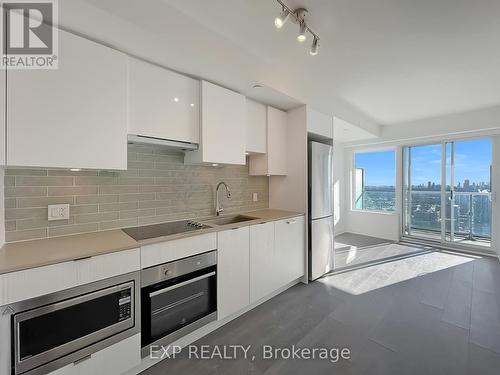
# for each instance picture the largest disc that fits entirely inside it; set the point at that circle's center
(262, 261)
(232, 271)
(290, 249)
(113, 360)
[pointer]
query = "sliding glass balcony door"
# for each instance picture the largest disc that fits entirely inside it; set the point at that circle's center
(447, 192)
(468, 196)
(423, 191)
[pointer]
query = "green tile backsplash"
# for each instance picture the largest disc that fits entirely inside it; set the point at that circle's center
(156, 187)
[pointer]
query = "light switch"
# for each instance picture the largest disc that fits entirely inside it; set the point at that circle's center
(58, 212)
(255, 197)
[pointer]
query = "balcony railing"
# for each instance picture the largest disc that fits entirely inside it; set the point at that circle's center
(469, 218)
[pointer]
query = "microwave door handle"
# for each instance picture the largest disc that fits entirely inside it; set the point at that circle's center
(187, 282)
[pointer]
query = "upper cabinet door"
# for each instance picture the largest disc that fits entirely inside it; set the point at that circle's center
(256, 127)
(222, 127)
(276, 141)
(274, 162)
(163, 104)
(71, 117)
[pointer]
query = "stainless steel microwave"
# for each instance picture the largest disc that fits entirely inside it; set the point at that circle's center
(51, 331)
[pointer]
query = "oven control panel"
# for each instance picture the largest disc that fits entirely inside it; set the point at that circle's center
(125, 305)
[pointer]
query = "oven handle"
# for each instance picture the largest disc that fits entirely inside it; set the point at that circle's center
(177, 303)
(187, 282)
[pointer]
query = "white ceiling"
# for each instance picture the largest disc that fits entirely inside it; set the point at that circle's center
(381, 61)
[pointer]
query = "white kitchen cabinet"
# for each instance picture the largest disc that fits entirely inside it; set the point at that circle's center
(71, 117)
(290, 249)
(232, 271)
(274, 162)
(162, 104)
(256, 127)
(115, 359)
(168, 251)
(222, 137)
(263, 262)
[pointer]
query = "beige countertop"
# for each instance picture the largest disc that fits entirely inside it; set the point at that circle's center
(17, 256)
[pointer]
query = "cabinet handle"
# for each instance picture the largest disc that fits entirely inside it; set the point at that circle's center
(82, 258)
(83, 359)
(291, 221)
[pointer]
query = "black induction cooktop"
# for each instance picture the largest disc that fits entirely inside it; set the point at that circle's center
(165, 229)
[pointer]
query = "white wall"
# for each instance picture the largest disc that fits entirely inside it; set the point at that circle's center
(375, 224)
(290, 192)
(339, 188)
(384, 225)
(319, 123)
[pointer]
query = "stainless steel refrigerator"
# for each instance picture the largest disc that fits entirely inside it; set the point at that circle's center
(321, 236)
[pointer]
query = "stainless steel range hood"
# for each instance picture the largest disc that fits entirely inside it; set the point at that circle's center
(140, 139)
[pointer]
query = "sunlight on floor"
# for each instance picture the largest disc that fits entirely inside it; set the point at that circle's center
(366, 279)
(353, 251)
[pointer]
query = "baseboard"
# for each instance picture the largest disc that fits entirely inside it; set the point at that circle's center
(457, 249)
(338, 233)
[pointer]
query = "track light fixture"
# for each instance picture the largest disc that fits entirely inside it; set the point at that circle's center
(315, 47)
(302, 32)
(297, 16)
(281, 19)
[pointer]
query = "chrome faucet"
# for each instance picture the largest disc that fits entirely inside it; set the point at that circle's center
(218, 206)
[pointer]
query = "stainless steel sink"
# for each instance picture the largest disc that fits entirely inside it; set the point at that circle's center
(224, 220)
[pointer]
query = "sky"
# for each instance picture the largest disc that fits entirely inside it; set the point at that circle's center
(380, 167)
(472, 162)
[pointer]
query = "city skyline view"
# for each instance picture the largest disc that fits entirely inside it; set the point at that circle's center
(471, 169)
(472, 164)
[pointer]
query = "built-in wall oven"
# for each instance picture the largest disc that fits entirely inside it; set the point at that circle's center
(53, 330)
(177, 298)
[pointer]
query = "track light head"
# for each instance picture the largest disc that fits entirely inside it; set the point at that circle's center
(281, 19)
(314, 47)
(302, 33)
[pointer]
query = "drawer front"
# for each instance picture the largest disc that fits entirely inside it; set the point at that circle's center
(18, 286)
(168, 251)
(108, 265)
(115, 359)
(26, 284)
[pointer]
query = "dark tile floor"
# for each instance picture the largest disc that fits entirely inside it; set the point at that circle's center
(442, 322)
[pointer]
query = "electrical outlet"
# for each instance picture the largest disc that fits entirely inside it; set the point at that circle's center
(255, 197)
(58, 212)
